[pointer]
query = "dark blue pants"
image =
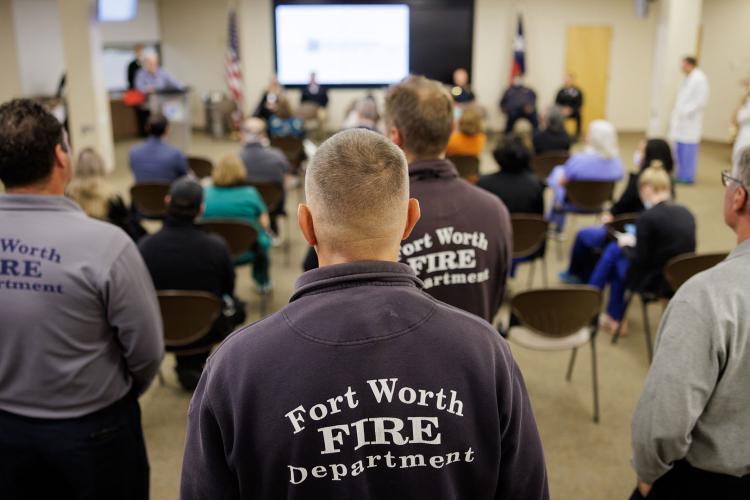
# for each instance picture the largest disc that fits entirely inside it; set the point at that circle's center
(685, 482)
(612, 268)
(586, 250)
(94, 457)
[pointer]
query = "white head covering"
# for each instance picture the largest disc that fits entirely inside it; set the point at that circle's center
(602, 139)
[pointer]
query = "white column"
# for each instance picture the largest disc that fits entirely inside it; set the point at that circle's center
(255, 30)
(10, 82)
(677, 36)
(88, 101)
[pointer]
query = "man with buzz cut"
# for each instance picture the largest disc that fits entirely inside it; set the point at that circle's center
(80, 329)
(462, 246)
(360, 387)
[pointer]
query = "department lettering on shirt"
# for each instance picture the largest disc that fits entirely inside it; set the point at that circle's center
(446, 261)
(380, 430)
(21, 262)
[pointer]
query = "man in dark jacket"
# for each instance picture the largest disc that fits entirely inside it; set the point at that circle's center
(519, 101)
(363, 386)
(183, 257)
(570, 99)
(461, 248)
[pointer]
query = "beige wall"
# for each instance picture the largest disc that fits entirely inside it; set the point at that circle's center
(725, 57)
(10, 82)
(545, 25)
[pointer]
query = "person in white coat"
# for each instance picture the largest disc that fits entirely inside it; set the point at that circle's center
(687, 120)
(741, 120)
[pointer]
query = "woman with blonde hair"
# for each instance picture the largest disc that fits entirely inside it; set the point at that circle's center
(90, 189)
(469, 139)
(635, 261)
(231, 198)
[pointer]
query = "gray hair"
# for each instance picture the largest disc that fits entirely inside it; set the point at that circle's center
(555, 119)
(603, 138)
(357, 186)
(742, 166)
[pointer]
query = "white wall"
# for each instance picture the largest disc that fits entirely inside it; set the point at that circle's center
(39, 45)
(10, 82)
(725, 57)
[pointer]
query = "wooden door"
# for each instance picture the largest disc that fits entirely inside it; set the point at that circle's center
(587, 57)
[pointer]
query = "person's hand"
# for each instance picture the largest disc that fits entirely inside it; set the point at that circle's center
(562, 181)
(625, 240)
(566, 110)
(607, 218)
(644, 488)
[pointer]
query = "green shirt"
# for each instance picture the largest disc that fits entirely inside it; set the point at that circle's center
(238, 202)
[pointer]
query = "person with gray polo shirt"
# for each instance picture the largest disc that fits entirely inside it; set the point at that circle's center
(81, 333)
(691, 424)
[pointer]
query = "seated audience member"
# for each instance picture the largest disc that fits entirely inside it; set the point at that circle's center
(524, 130)
(518, 102)
(154, 160)
(590, 241)
(269, 101)
(81, 331)
(461, 248)
(600, 162)
(231, 198)
(181, 256)
(461, 91)
(552, 136)
(690, 427)
(263, 163)
(314, 92)
(361, 332)
(515, 184)
(364, 114)
(283, 124)
(469, 139)
(635, 262)
(90, 189)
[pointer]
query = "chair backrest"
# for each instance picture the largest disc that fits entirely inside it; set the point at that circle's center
(271, 193)
(529, 234)
(618, 223)
(467, 166)
(239, 235)
(559, 311)
(148, 198)
(292, 147)
(590, 196)
(201, 167)
(187, 316)
(683, 267)
(543, 163)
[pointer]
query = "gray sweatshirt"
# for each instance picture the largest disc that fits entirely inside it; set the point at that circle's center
(80, 320)
(695, 405)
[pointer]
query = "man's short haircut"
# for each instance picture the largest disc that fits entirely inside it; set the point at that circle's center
(422, 111)
(512, 155)
(157, 125)
(28, 137)
(743, 167)
(690, 60)
(357, 186)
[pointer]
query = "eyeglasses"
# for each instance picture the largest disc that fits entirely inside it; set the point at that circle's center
(726, 178)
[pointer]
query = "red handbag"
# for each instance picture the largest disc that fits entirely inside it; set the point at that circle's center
(133, 97)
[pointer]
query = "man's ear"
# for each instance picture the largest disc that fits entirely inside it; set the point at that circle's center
(412, 217)
(62, 157)
(167, 200)
(395, 136)
(305, 220)
(739, 199)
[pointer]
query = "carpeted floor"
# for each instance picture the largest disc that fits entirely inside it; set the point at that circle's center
(584, 460)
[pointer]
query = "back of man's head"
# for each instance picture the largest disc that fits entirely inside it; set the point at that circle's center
(357, 190)
(29, 135)
(185, 199)
(156, 125)
(421, 110)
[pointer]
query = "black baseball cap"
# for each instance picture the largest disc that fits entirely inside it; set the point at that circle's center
(186, 196)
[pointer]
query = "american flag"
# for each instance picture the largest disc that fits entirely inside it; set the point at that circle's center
(518, 66)
(232, 69)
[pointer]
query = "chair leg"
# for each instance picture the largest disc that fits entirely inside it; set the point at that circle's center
(616, 336)
(647, 330)
(543, 260)
(262, 305)
(594, 378)
(571, 363)
(162, 382)
(531, 274)
(288, 240)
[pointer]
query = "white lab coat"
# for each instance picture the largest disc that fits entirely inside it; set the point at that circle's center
(743, 130)
(687, 117)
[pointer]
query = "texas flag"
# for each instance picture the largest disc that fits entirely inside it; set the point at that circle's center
(518, 66)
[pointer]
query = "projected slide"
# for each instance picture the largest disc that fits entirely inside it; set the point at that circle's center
(342, 44)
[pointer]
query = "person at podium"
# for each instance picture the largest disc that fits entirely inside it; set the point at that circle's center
(152, 78)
